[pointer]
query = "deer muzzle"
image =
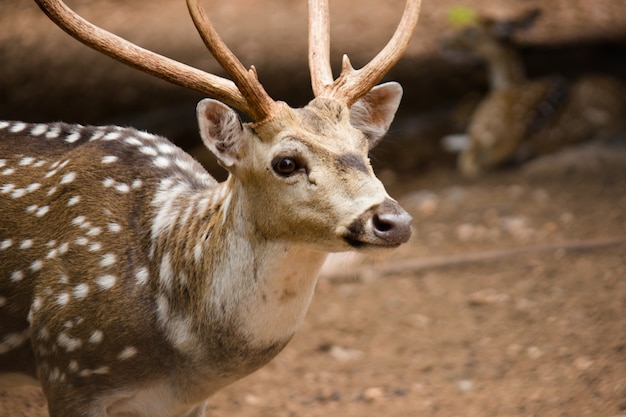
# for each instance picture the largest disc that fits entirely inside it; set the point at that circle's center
(383, 225)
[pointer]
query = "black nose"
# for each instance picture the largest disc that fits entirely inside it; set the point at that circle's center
(391, 223)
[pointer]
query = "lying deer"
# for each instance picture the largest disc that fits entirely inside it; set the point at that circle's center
(521, 118)
(132, 283)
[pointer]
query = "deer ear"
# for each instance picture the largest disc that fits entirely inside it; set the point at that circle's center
(373, 113)
(221, 131)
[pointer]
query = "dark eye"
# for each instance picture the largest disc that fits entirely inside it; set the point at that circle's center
(284, 166)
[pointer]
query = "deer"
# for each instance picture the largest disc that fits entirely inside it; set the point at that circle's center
(132, 283)
(522, 118)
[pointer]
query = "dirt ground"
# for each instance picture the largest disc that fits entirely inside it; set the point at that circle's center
(510, 299)
(537, 333)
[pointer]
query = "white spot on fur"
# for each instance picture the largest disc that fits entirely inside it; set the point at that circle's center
(42, 211)
(166, 273)
(36, 304)
(163, 309)
(95, 231)
(36, 266)
(142, 275)
(8, 171)
(161, 162)
(17, 127)
(26, 244)
(122, 188)
(20, 192)
(73, 366)
(106, 282)
(133, 141)
(108, 260)
(109, 159)
(98, 371)
(30, 209)
(148, 150)
(114, 227)
(184, 164)
(80, 291)
(13, 340)
(136, 184)
(4, 125)
(53, 133)
(7, 188)
(39, 129)
(96, 337)
(17, 276)
(27, 160)
(6, 244)
(97, 135)
(108, 182)
(69, 343)
(166, 148)
(63, 299)
(78, 220)
(33, 187)
(95, 247)
(81, 241)
(73, 201)
(73, 137)
(64, 247)
(68, 178)
(51, 191)
(127, 353)
(112, 136)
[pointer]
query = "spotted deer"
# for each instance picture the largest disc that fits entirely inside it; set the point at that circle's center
(521, 118)
(131, 282)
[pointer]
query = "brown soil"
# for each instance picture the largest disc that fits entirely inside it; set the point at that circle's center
(539, 333)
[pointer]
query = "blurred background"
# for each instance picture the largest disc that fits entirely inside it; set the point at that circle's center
(45, 75)
(510, 299)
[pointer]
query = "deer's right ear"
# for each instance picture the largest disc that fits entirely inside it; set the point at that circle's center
(221, 131)
(373, 113)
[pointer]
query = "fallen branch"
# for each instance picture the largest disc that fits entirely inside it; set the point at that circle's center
(414, 265)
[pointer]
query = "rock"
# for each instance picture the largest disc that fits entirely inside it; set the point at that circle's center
(345, 355)
(464, 385)
(373, 394)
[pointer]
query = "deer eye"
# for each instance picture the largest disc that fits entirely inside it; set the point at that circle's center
(285, 166)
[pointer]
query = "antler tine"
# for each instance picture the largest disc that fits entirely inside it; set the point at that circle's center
(261, 105)
(353, 84)
(319, 46)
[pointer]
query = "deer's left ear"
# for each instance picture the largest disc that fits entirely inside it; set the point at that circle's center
(373, 113)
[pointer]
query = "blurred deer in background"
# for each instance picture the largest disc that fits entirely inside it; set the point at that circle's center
(131, 282)
(521, 118)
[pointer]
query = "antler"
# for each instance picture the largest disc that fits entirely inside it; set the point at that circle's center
(261, 104)
(353, 84)
(245, 94)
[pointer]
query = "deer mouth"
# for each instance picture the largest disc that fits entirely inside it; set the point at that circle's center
(385, 225)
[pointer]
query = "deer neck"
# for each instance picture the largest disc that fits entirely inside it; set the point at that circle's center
(214, 264)
(505, 68)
